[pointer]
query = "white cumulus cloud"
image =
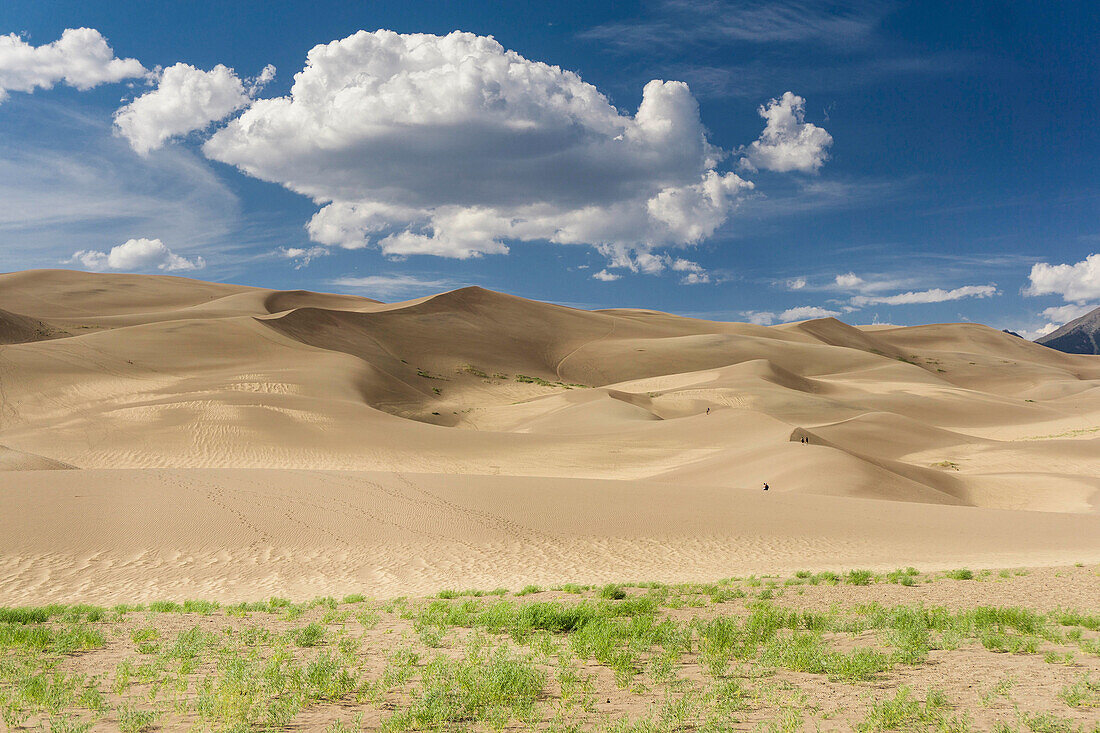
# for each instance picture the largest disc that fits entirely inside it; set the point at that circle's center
(788, 142)
(1062, 314)
(1041, 331)
(185, 99)
(1076, 283)
(137, 255)
(1058, 316)
(605, 276)
(849, 281)
(796, 283)
(934, 295)
(81, 58)
(453, 145)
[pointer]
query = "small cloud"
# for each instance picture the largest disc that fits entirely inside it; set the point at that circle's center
(1057, 316)
(799, 313)
(1032, 334)
(302, 256)
(852, 282)
(935, 295)
(695, 278)
(849, 281)
(137, 255)
(788, 142)
(760, 318)
(257, 84)
(186, 99)
(605, 276)
(387, 287)
(653, 263)
(805, 312)
(81, 58)
(796, 283)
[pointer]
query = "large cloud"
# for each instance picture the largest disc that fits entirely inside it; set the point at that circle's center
(1076, 283)
(422, 144)
(788, 142)
(186, 99)
(137, 255)
(81, 58)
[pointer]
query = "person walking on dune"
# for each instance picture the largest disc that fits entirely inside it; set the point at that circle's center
(765, 486)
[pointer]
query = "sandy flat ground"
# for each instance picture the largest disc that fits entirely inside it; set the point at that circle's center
(136, 535)
(161, 436)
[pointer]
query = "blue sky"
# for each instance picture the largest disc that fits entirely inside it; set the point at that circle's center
(932, 162)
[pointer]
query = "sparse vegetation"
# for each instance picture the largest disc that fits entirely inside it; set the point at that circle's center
(1066, 434)
(471, 369)
(736, 653)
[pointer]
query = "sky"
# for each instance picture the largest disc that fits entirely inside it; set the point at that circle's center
(905, 163)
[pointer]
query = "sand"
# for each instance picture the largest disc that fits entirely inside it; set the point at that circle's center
(165, 437)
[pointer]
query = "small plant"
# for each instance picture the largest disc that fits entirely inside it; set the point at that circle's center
(573, 588)
(204, 608)
(961, 574)
(310, 635)
(905, 712)
(859, 577)
(146, 633)
(133, 720)
(999, 690)
(528, 590)
(495, 687)
(827, 578)
(1083, 693)
(903, 577)
(613, 592)
(165, 607)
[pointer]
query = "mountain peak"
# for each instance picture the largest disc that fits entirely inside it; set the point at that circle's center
(1079, 336)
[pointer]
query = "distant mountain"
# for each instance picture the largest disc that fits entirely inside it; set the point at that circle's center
(1081, 336)
(1011, 333)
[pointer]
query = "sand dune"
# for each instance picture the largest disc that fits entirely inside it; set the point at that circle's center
(164, 374)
